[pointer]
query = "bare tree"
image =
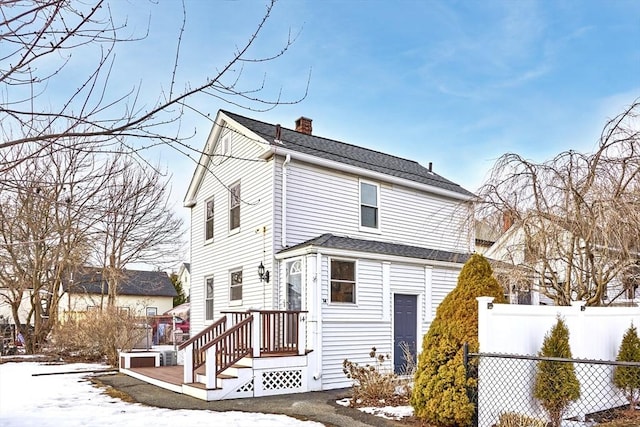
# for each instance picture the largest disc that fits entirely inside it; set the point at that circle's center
(576, 217)
(44, 230)
(136, 223)
(41, 40)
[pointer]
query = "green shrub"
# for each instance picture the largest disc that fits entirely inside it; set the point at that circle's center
(511, 419)
(440, 389)
(556, 384)
(371, 383)
(627, 378)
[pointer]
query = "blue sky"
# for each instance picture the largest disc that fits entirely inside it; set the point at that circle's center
(456, 83)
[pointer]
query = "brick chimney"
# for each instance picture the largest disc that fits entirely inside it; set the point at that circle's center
(507, 220)
(303, 125)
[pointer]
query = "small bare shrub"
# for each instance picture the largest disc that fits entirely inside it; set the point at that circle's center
(511, 419)
(98, 334)
(404, 380)
(371, 383)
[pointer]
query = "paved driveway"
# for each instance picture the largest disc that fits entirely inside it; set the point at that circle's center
(317, 406)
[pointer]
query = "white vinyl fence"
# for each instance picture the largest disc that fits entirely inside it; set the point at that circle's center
(594, 333)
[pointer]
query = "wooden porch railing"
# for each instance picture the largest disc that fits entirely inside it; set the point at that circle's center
(232, 345)
(199, 341)
(277, 332)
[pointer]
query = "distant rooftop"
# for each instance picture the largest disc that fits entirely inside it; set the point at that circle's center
(132, 282)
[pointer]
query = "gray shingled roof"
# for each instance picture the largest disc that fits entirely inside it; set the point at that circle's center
(133, 282)
(381, 248)
(349, 154)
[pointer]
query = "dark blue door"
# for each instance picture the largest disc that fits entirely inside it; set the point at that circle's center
(405, 320)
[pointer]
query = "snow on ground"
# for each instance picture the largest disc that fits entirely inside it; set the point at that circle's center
(389, 412)
(71, 400)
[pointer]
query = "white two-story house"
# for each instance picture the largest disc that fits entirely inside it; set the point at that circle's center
(338, 248)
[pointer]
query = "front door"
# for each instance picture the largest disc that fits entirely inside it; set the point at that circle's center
(405, 321)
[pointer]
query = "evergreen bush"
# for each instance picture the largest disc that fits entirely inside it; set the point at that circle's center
(556, 384)
(627, 378)
(440, 392)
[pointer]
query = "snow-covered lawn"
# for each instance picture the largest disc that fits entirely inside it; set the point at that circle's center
(71, 400)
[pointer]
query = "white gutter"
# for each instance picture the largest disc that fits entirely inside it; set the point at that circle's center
(283, 232)
(331, 164)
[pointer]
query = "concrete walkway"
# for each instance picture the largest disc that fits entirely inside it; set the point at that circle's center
(316, 406)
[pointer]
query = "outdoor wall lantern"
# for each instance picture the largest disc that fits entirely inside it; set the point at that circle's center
(262, 273)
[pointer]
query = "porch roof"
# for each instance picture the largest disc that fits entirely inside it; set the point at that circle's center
(377, 247)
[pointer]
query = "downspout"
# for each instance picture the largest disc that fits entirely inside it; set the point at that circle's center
(283, 232)
(318, 312)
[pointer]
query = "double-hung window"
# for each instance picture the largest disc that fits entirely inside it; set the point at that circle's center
(343, 281)
(234, 206)
(369, 206)
(235, 288)
(208, 298)
(208, 221)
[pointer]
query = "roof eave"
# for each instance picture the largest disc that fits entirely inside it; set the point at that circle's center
(275, 150)
(350, 253)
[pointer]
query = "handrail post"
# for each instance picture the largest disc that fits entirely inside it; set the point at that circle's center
(302, 334)
(256, 342)
(188, 365)
(211, 367)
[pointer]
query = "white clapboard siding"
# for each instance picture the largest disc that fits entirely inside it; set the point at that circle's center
(238, 250)
(353, 342)
(323, 201)
(444, 280)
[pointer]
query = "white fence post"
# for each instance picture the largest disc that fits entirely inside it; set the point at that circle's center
(483, 320)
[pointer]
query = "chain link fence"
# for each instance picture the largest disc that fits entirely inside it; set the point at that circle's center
(505, 393)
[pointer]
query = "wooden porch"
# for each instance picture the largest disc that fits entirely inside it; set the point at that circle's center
(242, 354)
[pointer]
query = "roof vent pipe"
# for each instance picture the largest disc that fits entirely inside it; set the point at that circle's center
(430, 166)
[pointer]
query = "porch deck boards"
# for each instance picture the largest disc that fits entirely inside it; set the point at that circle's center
(169, 374)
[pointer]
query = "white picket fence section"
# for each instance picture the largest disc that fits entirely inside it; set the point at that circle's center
(595, 333)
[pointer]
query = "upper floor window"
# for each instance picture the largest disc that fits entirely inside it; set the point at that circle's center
(234, 206)
(235, 288)
(369, 205)
(343, 281)
(208, 221)
(208, 299)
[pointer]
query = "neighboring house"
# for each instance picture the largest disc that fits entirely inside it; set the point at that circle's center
(139, 292)
(184, 276)
(524, 275)
(6, 314)
(329, 249)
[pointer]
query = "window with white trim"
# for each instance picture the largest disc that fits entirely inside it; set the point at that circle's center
(235, 287)
(208, 298)
(234, 206)
(208, 220)
(369, 205)
(343, 281)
